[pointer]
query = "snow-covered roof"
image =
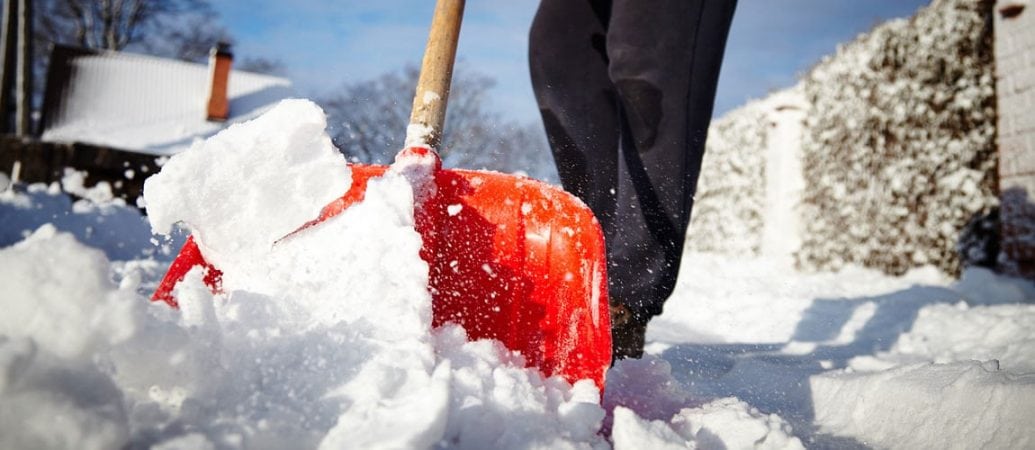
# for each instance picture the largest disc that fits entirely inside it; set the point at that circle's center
(143, 103)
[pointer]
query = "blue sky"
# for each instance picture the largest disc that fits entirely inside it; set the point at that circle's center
(325, 43)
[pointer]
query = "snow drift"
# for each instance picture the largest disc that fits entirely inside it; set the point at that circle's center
(327, 343)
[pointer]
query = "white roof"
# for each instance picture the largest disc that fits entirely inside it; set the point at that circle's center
(148, 104)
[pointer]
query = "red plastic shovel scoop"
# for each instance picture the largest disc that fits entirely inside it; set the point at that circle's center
(510, 258)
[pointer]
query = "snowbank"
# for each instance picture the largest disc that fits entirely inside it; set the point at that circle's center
(95, 218)
(321, 340)
(957, 405)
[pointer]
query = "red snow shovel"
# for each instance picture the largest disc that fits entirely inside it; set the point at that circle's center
(511, 258)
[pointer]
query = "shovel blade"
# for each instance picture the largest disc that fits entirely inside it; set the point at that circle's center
(510, 258)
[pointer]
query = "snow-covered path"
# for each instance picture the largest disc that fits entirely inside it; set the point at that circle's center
(748, 354)
(857, 357)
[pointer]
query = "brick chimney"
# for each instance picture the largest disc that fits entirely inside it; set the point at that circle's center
(219, 62)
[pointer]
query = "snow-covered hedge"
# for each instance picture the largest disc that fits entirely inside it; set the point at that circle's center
(898, 149)
(728, 208)
(899, 145)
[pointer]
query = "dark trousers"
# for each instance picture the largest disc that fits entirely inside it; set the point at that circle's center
(626, 89)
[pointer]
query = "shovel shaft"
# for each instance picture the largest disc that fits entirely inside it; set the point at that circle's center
(429, 102)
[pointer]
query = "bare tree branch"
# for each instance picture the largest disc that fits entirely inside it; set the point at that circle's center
(120, 24)
(261, 65)
(367, 121)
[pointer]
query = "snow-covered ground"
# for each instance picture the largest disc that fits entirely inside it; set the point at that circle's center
(300, 353)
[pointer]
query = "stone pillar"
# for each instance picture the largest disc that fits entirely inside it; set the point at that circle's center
(782, 228)
(1015, 90)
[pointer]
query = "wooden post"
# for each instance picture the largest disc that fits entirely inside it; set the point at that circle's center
(7, 62)
(23, 81)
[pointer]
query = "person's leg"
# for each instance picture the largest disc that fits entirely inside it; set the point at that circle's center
(580, 109)
(664, 58)
(578, 103)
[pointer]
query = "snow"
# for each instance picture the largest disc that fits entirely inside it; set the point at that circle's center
(971, 404)
(858, 356)
(274, 174)
(723, 423)
(323, 339)
(418, 135)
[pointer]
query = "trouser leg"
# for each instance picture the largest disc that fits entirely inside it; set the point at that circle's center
(578, 103)
(626, 89)
(664, 61)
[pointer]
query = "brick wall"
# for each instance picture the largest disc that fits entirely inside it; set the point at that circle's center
(1015, 86)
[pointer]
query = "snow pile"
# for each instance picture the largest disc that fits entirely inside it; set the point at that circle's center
(325, 340)
(322, 339)
(60, 311)
(946, 333)
(958, 405)
(725, 423)
(900, 142)
(95, 218)
(497, 404)
(90, 364)
(651, 409)
(233, 372)
(963, 373)
(74, 182)
(250, 185)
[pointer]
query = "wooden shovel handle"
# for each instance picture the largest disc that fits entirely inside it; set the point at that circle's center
(436, 72)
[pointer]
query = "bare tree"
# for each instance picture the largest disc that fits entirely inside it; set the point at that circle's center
(367, 119)
(187, 35)
(183, 29)
(511, 147)
(368, 123)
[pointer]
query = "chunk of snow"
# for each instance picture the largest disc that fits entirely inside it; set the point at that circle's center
(251, 184)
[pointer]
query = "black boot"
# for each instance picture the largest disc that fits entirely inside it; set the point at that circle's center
(627, 334)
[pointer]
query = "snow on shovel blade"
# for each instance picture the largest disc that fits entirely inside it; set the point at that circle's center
(511, 258)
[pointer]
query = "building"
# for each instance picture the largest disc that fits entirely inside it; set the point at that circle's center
(113, 115)
(149, 105)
